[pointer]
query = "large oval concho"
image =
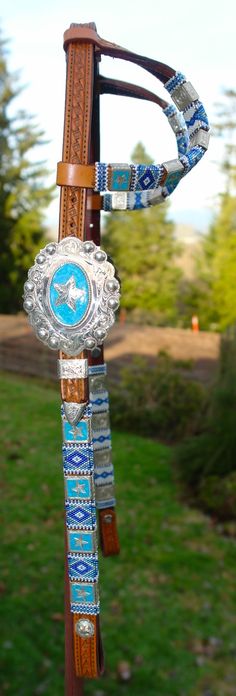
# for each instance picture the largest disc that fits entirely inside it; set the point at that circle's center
(71, 295)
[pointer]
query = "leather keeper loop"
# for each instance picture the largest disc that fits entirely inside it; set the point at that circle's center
(78, 175)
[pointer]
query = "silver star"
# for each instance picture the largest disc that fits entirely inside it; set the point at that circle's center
(82, 593)
(69, 293)
(80, 542)
(76, 431)
(79, 488)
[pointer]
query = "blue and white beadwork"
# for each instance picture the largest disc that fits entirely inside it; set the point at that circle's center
(80, 510)
(101, 434)
(189, 122)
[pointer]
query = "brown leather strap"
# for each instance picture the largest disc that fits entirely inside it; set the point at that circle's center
(126, 89)
(108, 532)
(74, 221)
(78, 32)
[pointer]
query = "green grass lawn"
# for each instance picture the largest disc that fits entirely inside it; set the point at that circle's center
(168, 602)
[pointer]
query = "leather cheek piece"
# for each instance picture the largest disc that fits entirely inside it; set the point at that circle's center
(88, 651)
(94, 202)
(79, 175)
(108, 532)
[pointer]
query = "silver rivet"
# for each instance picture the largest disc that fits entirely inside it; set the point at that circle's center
(113, 303)
(107, 519)
(40, 258)
(84, 628)
(90, 343)
(29, 286)
(100, 256)
(51, 248)
(88, 247)
(112, 285)
(28, 304)
(53, 341)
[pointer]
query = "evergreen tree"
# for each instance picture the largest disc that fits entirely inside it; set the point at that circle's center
(213, 294)
(142, 246)
(23, 195)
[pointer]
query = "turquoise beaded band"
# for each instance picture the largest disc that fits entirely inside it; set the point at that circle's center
(138, 186)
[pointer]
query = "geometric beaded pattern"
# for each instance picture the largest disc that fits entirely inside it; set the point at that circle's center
(80, 513)
(101, 434)
(83, 567)
(77, 459)
(99, 402)
(185, 123)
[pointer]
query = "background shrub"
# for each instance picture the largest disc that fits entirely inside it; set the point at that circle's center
(157, 401)
(206, 463)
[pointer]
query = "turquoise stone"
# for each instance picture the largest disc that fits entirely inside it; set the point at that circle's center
(75, 433)
(80, 541)
(79, 487)
(82, 593)
(120, 179)
(69, 294)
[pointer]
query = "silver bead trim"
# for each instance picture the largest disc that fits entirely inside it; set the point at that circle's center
(173, 166)
(84, 628)
(177, 122)
(72, 369)
(104, 492)
(102, 458)
(156, 197)
(100, 421)
(97, 383)
(201, 139)
(183, 95)
(119, 200)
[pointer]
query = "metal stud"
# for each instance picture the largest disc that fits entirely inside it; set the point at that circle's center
(84, 628)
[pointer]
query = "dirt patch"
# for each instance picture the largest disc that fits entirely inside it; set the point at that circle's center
(20, 351)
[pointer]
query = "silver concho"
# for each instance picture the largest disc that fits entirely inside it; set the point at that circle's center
(71, 295)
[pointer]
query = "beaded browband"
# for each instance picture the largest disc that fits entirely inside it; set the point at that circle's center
(71, 295)
(140, 186)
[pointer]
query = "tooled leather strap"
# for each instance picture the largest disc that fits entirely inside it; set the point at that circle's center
(73, 221)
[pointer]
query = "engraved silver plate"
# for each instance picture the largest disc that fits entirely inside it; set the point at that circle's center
(183, 95)
(73, 411)
(97, 383)
(72, 369)
(173, 166)
(102, 458)
(177, 122)
(200, 138)
(105, 492)
(119, 200)
(71, 295)
(100, 421)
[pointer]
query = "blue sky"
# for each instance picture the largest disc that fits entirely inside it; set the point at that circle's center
(196, 38)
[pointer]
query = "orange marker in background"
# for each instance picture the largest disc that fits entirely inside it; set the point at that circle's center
(195, 323)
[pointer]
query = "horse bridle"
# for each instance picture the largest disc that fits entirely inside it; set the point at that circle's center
(71, 295)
